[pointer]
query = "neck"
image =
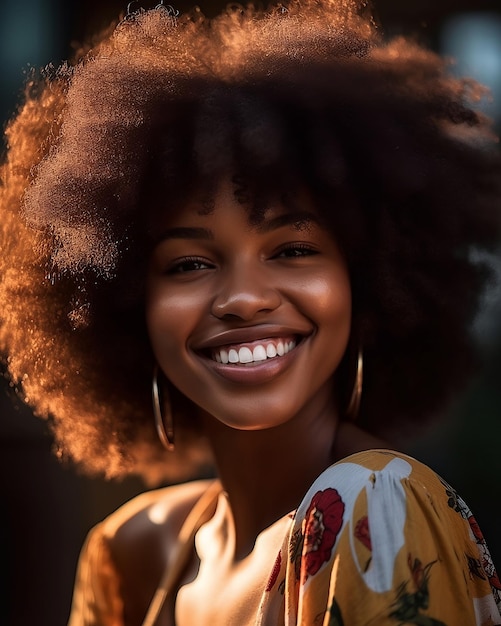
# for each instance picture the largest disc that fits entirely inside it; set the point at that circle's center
(267, 472)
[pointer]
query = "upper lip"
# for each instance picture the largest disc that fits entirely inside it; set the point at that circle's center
(249, 334)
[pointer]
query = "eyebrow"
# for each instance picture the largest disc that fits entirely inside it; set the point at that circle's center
(299, 219)
(185, 232)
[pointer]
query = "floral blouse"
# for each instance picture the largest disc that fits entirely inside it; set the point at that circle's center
(378, 540)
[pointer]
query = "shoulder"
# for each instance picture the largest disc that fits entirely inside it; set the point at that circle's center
(149, 523)
(152, 513)
(386, 500)
(140, 536)
(125, 555)
(389, 463)
(378, 469)
(385, 486)
(383, 530)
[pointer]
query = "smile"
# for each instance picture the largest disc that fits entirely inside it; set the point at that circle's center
(256, 352)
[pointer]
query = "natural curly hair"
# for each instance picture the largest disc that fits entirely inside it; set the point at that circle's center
(402, 170)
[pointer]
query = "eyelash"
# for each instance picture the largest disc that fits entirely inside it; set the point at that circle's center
(187, 264)
(193, 264)
(305, 249)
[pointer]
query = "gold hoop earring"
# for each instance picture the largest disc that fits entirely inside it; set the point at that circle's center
(356, 394)
(163, 423)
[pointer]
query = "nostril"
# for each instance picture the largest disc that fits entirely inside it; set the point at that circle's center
(244, 305)
(228, 316)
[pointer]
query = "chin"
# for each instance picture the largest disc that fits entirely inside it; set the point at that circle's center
(263, 419)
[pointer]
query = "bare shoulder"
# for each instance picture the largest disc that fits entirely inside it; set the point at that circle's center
(141, 534)
(153, 513)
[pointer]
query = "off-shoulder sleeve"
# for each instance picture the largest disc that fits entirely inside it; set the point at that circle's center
(380, 539)
(96, 598)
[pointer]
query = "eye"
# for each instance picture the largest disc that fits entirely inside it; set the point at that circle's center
(295, 250)
(188, 264)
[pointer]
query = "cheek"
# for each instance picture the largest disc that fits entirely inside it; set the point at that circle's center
(328, 297)
(169, 318)
(331, 311)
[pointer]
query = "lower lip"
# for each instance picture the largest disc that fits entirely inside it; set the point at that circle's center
(254, 373)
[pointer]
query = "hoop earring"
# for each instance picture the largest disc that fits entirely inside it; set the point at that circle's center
(163, 423)
(356, 394)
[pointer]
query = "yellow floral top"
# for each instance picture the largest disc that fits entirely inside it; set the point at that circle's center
(378, 540)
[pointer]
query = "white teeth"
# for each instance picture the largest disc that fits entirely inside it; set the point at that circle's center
(245, 355)
(271, 351)
(259, 353)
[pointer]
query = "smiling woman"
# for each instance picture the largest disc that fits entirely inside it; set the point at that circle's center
(266, 222)
(222, 294)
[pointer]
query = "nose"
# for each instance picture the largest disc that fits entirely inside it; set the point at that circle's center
(244, 292)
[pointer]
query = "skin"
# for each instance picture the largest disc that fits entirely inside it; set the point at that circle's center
(214, 281)
(141, 549)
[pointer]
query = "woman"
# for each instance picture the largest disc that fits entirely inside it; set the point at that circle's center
(250, 220)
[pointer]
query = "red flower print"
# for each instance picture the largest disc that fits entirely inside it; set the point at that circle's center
(362, 532)
(475, 528)
(494, 580)
(321, 526)
(485, 563)
(275, 572)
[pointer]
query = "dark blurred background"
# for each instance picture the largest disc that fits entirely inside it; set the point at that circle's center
(46, 508)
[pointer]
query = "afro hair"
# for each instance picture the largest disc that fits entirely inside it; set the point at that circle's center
(402, 170)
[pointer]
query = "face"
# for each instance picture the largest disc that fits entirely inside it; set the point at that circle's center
(249, 322)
